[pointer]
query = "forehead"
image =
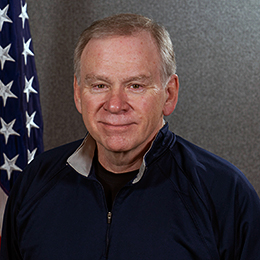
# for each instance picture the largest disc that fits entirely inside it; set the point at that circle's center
(140, 44)
(121, 56)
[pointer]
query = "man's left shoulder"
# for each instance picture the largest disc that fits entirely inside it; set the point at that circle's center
(214, 171)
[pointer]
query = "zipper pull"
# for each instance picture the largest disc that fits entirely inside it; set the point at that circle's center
(109, 216)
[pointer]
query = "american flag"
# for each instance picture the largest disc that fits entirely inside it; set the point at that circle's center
(21, 124)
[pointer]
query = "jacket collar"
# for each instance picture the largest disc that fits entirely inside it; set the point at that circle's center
(81, 159)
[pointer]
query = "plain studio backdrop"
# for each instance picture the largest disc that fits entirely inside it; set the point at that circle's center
(217, 46)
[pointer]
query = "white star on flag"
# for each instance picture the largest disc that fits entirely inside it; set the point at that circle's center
(31, 155)
(26, 50)
(4, 17)
(24, 14)
(10, 166)
(7, 129)
(28, 88)
(29, 122)
(5, 91)
(4, 55)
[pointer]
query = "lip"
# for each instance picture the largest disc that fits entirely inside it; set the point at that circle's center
(116, 126)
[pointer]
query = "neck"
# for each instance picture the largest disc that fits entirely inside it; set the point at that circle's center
(120, 162)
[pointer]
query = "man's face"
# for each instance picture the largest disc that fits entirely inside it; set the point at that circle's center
(120, 95)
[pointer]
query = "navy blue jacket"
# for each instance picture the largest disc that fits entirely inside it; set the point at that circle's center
(185, 203)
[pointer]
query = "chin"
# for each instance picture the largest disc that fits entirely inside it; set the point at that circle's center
(116, 144)
(118, 148)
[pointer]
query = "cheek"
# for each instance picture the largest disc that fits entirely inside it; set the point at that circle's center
(155, 103)
(90, 106)
(150, 110)
(86, 105)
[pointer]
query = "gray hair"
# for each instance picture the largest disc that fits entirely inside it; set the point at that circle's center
(128, 24)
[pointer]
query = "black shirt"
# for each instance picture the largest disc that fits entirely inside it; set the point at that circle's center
(112, 182)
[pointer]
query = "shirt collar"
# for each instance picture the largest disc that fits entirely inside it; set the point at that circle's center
(81, 159)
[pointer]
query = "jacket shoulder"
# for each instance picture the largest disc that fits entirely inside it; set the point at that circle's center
(232, 204)
(43, 172)
(57, 154)
(215, 179)
(196, 160)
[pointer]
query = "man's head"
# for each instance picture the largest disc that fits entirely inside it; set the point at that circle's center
(121, 92)
(129, 24)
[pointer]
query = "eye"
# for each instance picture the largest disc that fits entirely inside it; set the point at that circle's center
(99, 87)
(135, 86)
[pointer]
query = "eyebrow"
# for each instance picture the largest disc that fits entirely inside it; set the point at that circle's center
(94, 77)
(141, 77)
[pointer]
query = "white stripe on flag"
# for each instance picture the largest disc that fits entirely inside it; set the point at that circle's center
(3, 199)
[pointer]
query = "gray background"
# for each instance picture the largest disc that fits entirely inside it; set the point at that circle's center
(217, 45)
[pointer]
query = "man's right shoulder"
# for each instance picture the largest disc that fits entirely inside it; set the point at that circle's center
(44, 171)
(57, 154)
(49, 163)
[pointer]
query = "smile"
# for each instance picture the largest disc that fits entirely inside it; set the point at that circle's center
(116, 126)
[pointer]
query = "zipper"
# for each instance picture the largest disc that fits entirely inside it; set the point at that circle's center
(109, 217)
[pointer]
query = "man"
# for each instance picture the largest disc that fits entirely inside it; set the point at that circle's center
(131, 189)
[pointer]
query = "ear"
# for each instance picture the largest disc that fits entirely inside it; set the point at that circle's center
(77, 94)
(172, 90)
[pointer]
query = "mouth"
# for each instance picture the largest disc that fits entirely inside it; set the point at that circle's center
(116, 126)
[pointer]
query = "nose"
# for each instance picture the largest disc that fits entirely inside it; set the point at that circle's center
(116, 101)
